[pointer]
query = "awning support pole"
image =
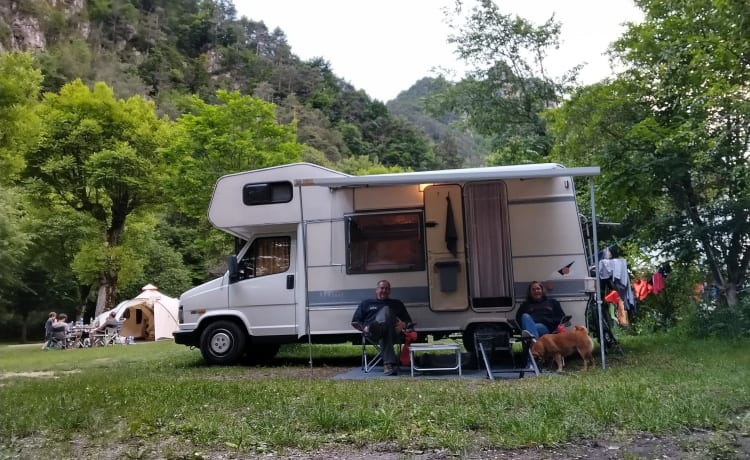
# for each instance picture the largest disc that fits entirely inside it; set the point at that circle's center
(596, 270)
(307, 297)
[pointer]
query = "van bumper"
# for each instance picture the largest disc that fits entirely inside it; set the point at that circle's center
(189, 338)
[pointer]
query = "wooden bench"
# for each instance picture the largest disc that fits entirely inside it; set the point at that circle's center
(420, 347)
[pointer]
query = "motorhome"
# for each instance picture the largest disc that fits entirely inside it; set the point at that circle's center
(459, 247)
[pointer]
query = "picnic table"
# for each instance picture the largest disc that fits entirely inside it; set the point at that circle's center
(78, 336)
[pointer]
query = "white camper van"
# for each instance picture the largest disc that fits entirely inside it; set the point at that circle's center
(458, 246)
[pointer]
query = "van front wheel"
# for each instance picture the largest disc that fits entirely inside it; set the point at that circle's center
(223, 343)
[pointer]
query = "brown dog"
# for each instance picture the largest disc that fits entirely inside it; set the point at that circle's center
(558, 346)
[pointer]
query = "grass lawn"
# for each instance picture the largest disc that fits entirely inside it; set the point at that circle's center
(161, 397)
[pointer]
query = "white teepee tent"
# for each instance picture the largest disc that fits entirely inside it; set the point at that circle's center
(151, 315)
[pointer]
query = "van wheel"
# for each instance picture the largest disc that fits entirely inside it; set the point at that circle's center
(223, 343)
(468, 338)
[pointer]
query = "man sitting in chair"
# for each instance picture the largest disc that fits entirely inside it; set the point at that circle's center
(110, 322)
(383, 319)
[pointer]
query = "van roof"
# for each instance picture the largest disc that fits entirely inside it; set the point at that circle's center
(530, 171)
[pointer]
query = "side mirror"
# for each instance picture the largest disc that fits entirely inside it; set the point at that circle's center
(233, 268)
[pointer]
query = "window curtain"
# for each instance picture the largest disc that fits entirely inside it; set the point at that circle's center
(272, 256)
(489, 245)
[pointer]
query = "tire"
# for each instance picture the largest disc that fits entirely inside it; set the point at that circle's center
(261, 354)
(468, 338)
(223, 343)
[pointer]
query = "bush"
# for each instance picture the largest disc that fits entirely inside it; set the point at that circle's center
(715, 318)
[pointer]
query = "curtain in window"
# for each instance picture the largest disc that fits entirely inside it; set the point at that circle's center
(489, 245)
(272, 256)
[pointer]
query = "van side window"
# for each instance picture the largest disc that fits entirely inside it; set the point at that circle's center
(266, 256)
(385, 242)
(267, 193)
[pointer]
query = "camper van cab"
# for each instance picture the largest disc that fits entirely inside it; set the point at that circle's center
(458, 246)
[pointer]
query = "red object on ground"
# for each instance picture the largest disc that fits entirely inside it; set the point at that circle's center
(409, 337)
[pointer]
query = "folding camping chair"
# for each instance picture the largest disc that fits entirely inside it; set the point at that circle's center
(110, 336)
(488, 340)
(58, 340)
(371, 353)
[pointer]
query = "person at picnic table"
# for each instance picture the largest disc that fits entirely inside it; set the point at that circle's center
(383, 319)
(111, 321)
(539, 314)
(59, 330)
(48, 328)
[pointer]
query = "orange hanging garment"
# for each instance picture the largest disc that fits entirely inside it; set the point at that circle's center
(622, 314)
(642, 289)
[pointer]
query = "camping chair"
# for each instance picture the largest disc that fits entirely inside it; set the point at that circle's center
(110, 336)
(373, 356)
(75, 338)
(489, 340)
(58, 340)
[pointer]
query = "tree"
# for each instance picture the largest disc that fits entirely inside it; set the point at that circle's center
(672, 134)
(508, 86)
(99, 156)
(13, 243)
(239, 134)
(20, 83)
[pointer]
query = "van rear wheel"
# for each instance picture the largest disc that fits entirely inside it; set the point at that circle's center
(223, 343)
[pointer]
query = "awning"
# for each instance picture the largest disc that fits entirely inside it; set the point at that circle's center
(451, 176)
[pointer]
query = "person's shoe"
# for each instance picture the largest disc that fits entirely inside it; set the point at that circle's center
(526, 334)
(389, 369)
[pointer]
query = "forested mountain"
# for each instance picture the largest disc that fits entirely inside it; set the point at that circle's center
(165, 49)
(118, 116)
(447, 131)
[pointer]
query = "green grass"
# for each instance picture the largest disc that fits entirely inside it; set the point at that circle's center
(135, 394)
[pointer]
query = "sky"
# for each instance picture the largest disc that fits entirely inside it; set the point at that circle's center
(385, 46)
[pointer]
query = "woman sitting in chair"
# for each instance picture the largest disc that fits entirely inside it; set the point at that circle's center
(539, 314)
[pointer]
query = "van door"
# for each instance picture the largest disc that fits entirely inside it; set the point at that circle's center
(488, 235)
(265, 290)
(446, 256)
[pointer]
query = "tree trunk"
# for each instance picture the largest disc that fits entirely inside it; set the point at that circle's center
(105, 299)
(24, 331)
(730, 293)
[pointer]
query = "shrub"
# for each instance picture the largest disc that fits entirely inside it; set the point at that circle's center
(715, 318)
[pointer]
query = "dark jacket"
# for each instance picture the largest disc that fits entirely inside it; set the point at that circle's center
(368, 310)
(548, 312)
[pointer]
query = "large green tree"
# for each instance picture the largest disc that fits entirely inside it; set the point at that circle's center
(238, 134)
(672, 134)
(508, 86)
(20, 82)
(100, 156)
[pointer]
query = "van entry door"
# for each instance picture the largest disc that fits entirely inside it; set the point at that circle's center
(265, 290)
(490, 270)
(446, 253)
